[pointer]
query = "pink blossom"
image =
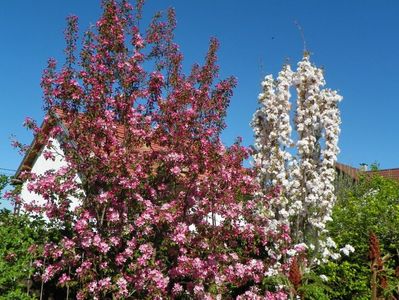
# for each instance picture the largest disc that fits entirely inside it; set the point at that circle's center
(276, 296)
(161, 281)
(32, 249)
(179, 235)
(64, 279)
(104, 247)
(177, 289)
(114, 240)
(122, 286)
(104, 283)
(49, 272)
(113, 215)
(175, 170)
(120, 259)
(93, 286)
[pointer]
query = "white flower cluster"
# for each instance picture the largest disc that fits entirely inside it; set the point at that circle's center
(272, 130)
(347, 250)
(306, 178)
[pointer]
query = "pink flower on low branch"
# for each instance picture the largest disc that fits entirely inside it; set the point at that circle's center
(64, 278)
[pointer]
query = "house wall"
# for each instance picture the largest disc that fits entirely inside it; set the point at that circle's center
(40, 166)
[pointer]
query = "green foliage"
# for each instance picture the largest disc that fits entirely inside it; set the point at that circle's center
(3, 182)
(16, 295)
(17, 234)
(269, 283)
(348, 279)
(371, 205)
(314, 288)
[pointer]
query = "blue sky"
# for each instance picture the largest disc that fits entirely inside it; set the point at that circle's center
(355, 41)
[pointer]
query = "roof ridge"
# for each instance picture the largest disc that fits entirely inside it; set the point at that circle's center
(381, 170)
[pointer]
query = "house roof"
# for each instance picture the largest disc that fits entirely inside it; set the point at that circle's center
(354, 173)
(387, 173)
(57, 115)
(348, 170)
(33, 151)
(37, 144)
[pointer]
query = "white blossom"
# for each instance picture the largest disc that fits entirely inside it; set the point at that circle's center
(347, 250)
(306, 179)
(324, 277)
(335, 256)
(192, 228)
(330, 243)
(271, 272)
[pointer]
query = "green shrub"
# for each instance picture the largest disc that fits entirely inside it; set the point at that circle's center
(18, 234)
(370, 206)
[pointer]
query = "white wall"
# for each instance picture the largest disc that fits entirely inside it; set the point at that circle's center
(40, 166)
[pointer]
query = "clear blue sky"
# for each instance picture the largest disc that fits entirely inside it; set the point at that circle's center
(356, 41)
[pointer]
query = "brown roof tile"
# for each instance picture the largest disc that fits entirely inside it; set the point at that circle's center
(387, 173)
(354, 173)
(348, 170)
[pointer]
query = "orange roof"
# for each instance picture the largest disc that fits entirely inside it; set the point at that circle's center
(354, 173)
(387, 173)
(32, 153)
(348, 170)
(57, 115)
(37, 144)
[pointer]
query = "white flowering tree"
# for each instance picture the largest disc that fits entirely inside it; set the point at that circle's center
(302, 169)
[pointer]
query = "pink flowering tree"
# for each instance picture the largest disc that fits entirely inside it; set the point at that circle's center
(164, 209)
